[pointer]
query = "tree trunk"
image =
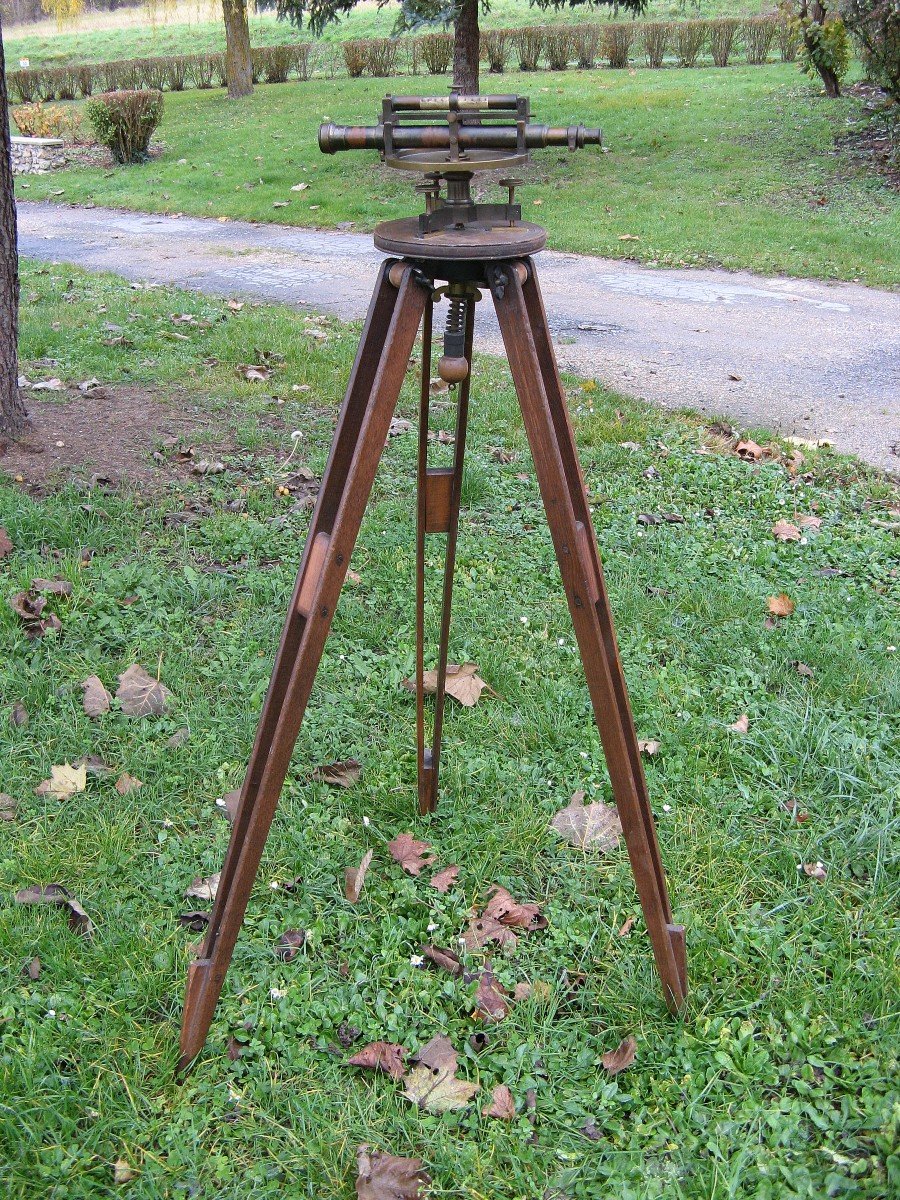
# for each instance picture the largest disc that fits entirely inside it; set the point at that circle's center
(13, 417)
(466, 47)
(238, 69)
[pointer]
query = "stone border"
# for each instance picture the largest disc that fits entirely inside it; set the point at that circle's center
(36, 156)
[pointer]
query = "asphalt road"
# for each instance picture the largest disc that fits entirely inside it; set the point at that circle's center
(817, 360)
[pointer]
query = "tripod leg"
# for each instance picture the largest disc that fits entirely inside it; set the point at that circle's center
(439, 493)
(526, 337)
(372, 392)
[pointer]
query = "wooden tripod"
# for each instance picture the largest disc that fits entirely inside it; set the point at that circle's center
(402, 297)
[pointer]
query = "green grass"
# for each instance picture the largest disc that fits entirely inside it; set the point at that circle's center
(735, 167)
(780, 1082)
(193, 36)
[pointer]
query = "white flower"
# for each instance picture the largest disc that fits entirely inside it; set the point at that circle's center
(667, 808)
(524, 620)
(431, 927)
(560, 641)
(167, 824)
(277, 993)
(416, 960)
(366, 822)
(274, 885)
(51, 1012)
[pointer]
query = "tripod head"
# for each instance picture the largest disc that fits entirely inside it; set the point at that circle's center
(447, 139)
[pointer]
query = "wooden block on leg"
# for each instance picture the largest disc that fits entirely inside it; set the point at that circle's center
(679, 950)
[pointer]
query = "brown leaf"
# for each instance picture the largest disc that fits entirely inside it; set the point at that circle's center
(93, 765)
(96, 698)
(253, 372)
(816, 870)
(584, 825)
(749, 450)
(591, 1132)
(784, 531)
(444, 879)
(53, 587)
(28, 607)
(432, 1084)
(503, 908)
(382, 1176)
(6, 546)
(780, 606)
(195, 921)
(55, 893)
(502, 1104)
(381, 1056)
(627, 926)
(491, 1003)
(446, 960)
(8, 807)
(18, 715)
(123, 1171)
(32, 969)
(127, 783)
(802, 669)
(487, 929)
(140, 695)
(410, 854)
(339, 774)
(463, 683)
(354, 877)
(792, 807)
(623, 1056)
(229, 802)
(204, 889)
(288, 945)
(235, 1049)
(64, 782)
(649, 746)
(741, 725)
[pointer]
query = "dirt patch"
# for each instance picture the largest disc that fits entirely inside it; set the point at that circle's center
(875, 141)
(109, 434)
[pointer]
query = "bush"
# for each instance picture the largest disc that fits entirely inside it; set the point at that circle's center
(617, 42)
(124, 122)
(302, 60)
(875, 27)
(558, 47)
(786, 32)
(48, 121)
(824, 49)
(437, 52)
(496, 45)
(529, 43)
(84, 79)
(381, 56)
(356, 56)
(690, 38)
(722, 34)
(272, 64)
(23, 85)
(585, 45)
(656, 37)
(201, 71)
(759, 33)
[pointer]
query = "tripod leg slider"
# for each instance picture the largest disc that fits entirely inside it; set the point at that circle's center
(312, 573)
(438, 492)
(679, 949)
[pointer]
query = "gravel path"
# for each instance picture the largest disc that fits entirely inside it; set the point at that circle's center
(817, 360)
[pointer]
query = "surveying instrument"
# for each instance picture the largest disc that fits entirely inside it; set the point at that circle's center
(461, 249)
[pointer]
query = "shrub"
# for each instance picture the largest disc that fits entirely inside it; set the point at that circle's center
(201, 71)
(381, 56)
(759, 33)
(786, 33)
(529, 43)
(176, 72)
(220, 73)
(496, 45)
(824, 48)
(272, 64)
(690, 38)
(302, 60)
(617, 42)
(84, 79)
(23, 85)
(875, 27)
(722, 34)
(356, 56)
(558, 47)
(48, 121)
(124, 122)
(585, 44)
(437, 52)
(656, 36)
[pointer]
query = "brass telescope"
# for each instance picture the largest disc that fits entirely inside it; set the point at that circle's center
(333, 138)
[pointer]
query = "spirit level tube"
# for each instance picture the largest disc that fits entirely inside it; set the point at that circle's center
(333, 138)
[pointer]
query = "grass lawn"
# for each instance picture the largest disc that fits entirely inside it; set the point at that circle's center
(186, 28)
(781, 1081)
(735, 167)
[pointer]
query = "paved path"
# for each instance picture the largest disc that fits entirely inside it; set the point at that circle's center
(813, 359)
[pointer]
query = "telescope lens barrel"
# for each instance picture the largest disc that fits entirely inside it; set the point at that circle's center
(334, 138)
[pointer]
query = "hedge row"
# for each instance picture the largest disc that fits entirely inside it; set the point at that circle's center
(617, 44)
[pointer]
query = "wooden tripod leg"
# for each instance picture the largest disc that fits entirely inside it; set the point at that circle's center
(526, 337)
(440, 492)
(374, 386)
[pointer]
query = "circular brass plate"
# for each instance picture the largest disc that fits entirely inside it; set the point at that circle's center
(501, 241)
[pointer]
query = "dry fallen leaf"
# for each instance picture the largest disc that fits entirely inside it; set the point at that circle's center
(491, 998)
(140, 695)
(29, 608)
(123, 1171)
(64, 782)
(649, 746)
(127, 783)
(623, 1056)
(254, 373)
(289, 944)
(444, 879)
(18, 715)
(445, 959)
(8, 806)
(802, 669)
(382, 1176)
(629, 237)
(463, 684)
(626, 927)
(741, 725)
(749, 450)
(381, 1056)
(204, 889)
(487, 929)
(340, 774)
(780, 606)
(229, 803)
(354, 877)
(32, 969)
(503, 908)
(55, 893)
(784, 531)
(6, 546)
(410, 854)
(583, 825)
(792, 807)
(816, 871)
(502, 1104)
(809, 522)
(96, 698)
(432, 1083)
